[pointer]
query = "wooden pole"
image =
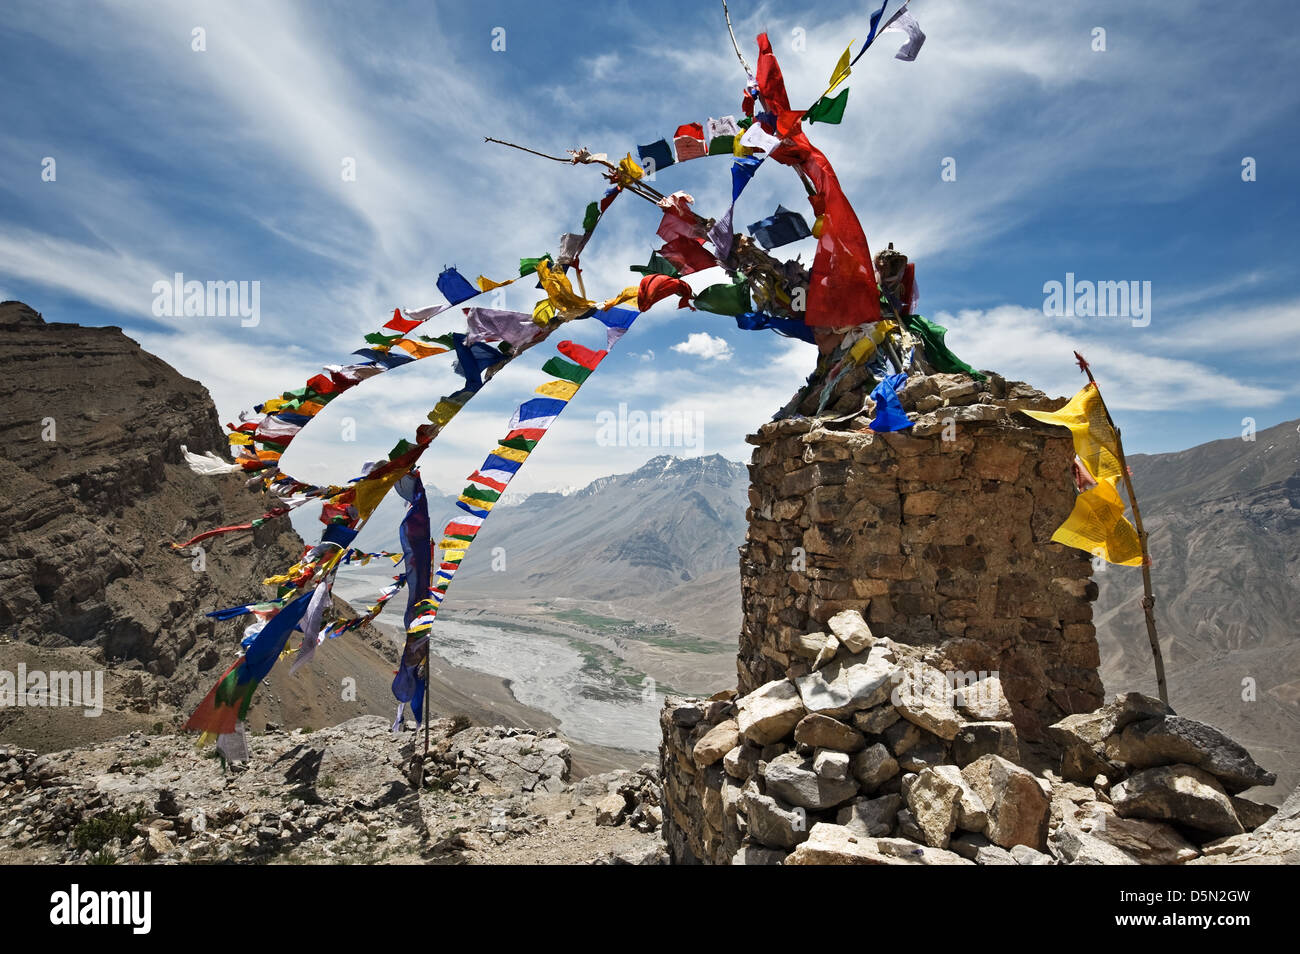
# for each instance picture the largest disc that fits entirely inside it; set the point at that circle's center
(1148, 599)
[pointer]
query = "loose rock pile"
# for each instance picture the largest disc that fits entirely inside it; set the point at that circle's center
(875, 756)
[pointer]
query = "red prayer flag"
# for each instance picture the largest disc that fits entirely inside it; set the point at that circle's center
(398, 323)
(842, 289)
(585, 357)
(655, 288)
(688, 254)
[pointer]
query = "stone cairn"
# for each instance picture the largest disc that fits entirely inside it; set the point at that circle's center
(941, 535)
(917, 669)
(875, 756)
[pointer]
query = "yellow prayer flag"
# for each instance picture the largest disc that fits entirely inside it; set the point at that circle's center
(628, 169)
(567, 302)
(543, 312)
(1098, 525)
(627, 294)
(371, 490)
(476, 504)
(842, 70)
(510, 453)
(240, 437)
(486, 284)
(1095, 441)
(443, 412)
(453, 556)
(564, 390)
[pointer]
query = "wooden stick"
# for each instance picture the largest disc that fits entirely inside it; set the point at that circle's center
(1148, 599)
(734, 45)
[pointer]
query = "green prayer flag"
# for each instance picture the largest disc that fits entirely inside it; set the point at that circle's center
(378, 338)
(591, 218)
(725, 299)
(936, 352)
(474, 492)
(722, 146)
(519, 443)
(400, 448)
(529, 265)
(558, 367)
(658, 266)
(828, 110)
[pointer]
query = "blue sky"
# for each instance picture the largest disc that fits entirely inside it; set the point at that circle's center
(224, 164)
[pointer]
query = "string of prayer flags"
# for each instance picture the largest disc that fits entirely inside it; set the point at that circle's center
(889, 414)
(227, 703)
(455, 287)
(688, 141)
(828, 109)
(936, 351)
(528, 425)
(875, 24)
(780, 228)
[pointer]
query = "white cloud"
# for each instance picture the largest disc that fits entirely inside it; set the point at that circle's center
(701, 344)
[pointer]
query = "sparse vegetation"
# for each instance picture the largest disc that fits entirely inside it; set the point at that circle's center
(92, 834)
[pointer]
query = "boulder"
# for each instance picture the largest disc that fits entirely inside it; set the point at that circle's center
(716, 743)
(829, 844)
(873, 766)
(756, 855)
(939, 799)
(610, 810)
(852, 631)
(1174, 740)
(924, 698)
(1178, 793)
(823, 732)
(993, 855)
(1276, 841)
(772, 823)
(974, 740)
(831, 765)
(1081, 736)
(1071, 845)
(770, 712)
(873, 817)
(984, 700)
(1017, 807)
(1024, 855)
(846, 686)
(791, 777)
(742, 761)
(875, 721)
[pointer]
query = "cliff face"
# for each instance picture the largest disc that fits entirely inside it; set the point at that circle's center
(94, 490)
(96, 487)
